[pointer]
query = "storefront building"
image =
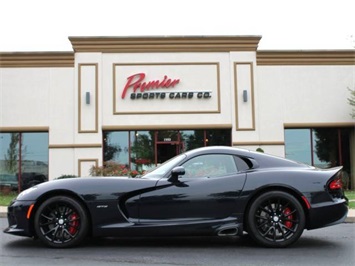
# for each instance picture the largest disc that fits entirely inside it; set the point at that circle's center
(139, 101)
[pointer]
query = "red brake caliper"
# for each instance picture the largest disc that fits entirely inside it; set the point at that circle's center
(288, 216)
(74, 224)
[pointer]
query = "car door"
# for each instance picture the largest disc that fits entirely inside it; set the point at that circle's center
(209, 190)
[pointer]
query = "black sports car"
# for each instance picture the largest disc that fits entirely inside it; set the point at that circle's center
(220, 191)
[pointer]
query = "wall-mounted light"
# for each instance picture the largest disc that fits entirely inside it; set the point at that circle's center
(87, 97)
(245, 96)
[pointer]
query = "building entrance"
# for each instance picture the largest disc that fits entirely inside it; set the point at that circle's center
(167, 145)
(166, 151)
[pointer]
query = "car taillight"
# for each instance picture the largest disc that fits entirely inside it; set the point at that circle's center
(336, 184)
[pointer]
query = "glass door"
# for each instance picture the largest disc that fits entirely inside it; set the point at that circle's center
(167, 145)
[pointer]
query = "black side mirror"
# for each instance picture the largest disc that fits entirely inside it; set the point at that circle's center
(179, 170)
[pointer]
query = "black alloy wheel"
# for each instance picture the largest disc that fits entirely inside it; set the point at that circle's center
(276, 219)
(61, 222)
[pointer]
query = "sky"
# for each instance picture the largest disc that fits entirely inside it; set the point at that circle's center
(45, 25)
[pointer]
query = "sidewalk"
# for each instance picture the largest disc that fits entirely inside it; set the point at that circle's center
(349, 219)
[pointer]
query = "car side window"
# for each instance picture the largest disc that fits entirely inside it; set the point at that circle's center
(242, 164)
(210, 165)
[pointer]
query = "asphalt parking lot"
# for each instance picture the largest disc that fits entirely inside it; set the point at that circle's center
(333, 245)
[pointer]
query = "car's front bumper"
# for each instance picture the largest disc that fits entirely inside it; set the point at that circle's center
(19, 224)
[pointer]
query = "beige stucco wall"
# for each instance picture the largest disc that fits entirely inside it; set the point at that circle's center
(53, 99)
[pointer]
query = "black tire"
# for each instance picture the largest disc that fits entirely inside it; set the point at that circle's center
(276, 219)
(61, 222)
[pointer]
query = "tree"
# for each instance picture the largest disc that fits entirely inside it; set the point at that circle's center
(352, 92)
(12, 154)
(195, 140)
(351, 101)
(326, 146)
(143, 149)
(110, 150)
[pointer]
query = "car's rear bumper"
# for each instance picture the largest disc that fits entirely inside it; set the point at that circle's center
(19, 224)
(326, 214)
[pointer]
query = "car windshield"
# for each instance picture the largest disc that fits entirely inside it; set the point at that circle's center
(165, 167)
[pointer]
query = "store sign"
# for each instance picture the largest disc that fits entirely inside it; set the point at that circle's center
(167, 88)
(137, 82)
(142, 89)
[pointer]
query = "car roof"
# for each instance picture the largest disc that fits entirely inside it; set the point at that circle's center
(219, 149)
(263, 160)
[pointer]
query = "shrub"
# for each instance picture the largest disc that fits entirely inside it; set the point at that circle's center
(66, 176)
(113, 169)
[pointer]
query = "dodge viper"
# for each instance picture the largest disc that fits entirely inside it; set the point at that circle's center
(210, 191)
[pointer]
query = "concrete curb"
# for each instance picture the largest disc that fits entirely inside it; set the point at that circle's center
(349, 219)
(351, 216)
(3, 212)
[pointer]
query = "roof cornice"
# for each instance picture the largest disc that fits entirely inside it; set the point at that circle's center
(36, 59)
(165, 44)
(316, 57)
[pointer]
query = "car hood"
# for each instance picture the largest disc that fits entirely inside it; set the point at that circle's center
(89, 187)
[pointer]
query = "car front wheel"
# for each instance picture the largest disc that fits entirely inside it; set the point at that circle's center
(276, 219)
(61, 222)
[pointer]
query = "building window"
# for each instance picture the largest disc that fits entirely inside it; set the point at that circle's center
(218, 137)
(23, 159)
(143, 150)
(116, 146)
(298, 145)
(321, 147)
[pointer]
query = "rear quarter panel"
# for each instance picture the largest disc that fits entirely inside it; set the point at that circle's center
(300, 182)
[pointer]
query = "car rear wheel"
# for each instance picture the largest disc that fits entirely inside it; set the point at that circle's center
(276, 219)
(61, 222)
